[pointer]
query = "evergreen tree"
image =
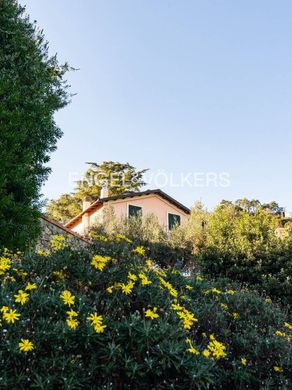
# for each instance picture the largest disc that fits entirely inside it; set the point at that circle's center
(118, 177)
(31, 90)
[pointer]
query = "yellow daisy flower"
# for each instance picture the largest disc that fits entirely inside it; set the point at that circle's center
(11, 316)
(25, 345)
(21, 297)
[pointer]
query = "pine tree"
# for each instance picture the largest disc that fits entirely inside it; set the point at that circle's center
(118, 177)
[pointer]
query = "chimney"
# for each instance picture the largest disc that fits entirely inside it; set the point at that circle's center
(86, 202)
(104, 192)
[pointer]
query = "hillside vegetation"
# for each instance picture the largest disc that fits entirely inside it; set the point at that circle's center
(112, 319)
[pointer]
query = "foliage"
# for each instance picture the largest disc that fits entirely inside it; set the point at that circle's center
(254, 205)
(118, 177)
(195, 229)
(31, 90)
(113, 319)
(172, 248)
(243, 246)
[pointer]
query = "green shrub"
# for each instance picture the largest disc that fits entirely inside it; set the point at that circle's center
(172, 248)
(154, 328)
(243, 247)
(270, 273)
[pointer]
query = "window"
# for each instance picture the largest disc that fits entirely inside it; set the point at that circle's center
(134, 211)
(173, 220)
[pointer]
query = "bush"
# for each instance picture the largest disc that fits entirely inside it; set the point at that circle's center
(244, 247)
(270, 273)
(172, 248)
(137, 325)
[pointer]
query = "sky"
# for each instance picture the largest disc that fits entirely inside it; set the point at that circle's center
(199, 92)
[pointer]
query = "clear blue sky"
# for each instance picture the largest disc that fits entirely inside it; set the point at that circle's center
(176, 86)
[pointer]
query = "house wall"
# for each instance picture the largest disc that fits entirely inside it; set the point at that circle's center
(152, 204)
(79, 228)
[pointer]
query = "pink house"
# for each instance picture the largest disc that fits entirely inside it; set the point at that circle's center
(168, 211)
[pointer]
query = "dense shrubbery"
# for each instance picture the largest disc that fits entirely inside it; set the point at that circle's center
(229, 243)
(137, 325)
(243, 246)
(172, 249)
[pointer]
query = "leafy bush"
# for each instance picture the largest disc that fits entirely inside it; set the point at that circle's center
(112, 319)
(172, 248)
(244, 247)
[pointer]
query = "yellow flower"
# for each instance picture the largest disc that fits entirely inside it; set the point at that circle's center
(60, 275)
(58, 242)
(243, 361)
(96, 322)
(10, 278)
(206, 353)
(176, 307)
(169, 287)
(25, 345)
(11, 316)
(288, 325)
(159, 272)
(151, 313)
(72, 322)
(279, 333)
(213, 290)
(230, 292)
(110, 289)
(99, 237)
(144, 280)
(149, 264)
(94, 318)
(192, 349)
(67, 297)
(187, 317)
(21, 297)
(216, 348)
(4, 309)
(277, 369)
(223, 306)
(100, 262)
(41, 252)
(132, 277)
(235, 315)
(31, 286)
(99, 328)
(72, 313)
(120, 237)
(127, 288)
(5, 264)
(139, 250)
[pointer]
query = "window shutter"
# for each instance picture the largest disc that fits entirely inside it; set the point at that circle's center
(173, 220)
(135, 211)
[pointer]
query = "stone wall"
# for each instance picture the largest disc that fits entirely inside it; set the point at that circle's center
(50, 228)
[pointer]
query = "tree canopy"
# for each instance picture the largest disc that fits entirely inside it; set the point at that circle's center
(118, 177)
(32, 88)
